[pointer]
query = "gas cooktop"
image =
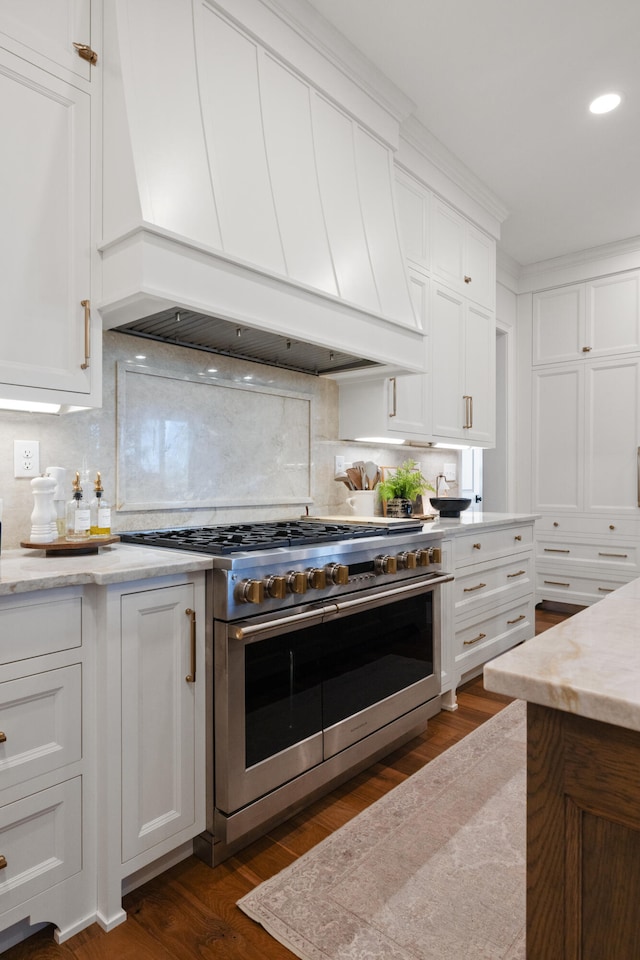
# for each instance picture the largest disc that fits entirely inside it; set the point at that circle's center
(229, 538)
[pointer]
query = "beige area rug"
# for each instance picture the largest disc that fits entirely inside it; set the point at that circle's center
(433, 870)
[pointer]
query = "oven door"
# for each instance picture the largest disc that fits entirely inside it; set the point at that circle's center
(291, 692)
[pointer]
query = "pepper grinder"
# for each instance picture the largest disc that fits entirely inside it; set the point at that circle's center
(59, 474)
(43, 524)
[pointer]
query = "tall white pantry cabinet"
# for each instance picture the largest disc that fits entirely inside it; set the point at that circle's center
(585, 406)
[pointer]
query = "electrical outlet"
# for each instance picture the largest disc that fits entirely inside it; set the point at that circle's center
(339, 465)
(26, 458)
(450, 472)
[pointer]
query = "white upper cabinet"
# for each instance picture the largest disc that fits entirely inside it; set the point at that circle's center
(49, 28)
(414, 215)
(51, 348)
(462, 256)
(463, 343)
(584, 320)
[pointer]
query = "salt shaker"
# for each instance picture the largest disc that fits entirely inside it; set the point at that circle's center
(43, 522)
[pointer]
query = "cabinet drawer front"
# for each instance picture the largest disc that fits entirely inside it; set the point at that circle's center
(37, 623)
(558, 585)
(603, 555)
(495, 583)
(482, 545)
(41, 841)
(588, 526)
(40, 718)
(485, 637)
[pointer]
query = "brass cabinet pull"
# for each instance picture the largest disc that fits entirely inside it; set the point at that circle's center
(606, 589)
(467, 279)
(87, 333)
(471, 589)
(622, 556)
(3, 736)
(518, 536)
(555, 550)
(468, 411)
(191, 677)
(517, 574)
(394, 394)
(556, 583)
(518, 619)
(85, 51)
(481, 636)
(587, 349)
(3, 862)
(477, 546)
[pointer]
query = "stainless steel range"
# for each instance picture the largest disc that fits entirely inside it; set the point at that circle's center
(325, 655)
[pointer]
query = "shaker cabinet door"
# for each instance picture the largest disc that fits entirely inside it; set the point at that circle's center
(45, 242)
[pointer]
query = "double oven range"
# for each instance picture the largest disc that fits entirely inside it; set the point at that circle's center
(324, 654)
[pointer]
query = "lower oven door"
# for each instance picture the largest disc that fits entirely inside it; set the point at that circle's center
(293, 691)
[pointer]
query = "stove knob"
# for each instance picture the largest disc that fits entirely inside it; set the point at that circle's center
(297, 581)
(408, 560)
(317, 578)
(276, 587)
(338, 573)
(436, 555)
(386, 564)
(423, 557)
(250, 591)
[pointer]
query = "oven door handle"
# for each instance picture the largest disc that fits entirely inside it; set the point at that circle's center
(255, 631)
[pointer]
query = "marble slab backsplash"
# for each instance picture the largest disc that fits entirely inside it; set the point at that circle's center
(186, 437)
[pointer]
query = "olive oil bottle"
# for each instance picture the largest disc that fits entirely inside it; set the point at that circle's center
(100, 512)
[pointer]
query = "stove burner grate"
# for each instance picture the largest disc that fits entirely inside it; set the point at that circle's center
(236, 537)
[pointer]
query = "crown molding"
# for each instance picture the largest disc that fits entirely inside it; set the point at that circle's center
(581, 265)
(305, 20)
(435, 152)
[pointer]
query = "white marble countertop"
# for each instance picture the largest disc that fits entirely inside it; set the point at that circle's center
(471, 521)
(26, 569)
(588, 665)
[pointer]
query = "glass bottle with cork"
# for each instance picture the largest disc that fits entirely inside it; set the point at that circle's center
(100, 512)
(77, 514)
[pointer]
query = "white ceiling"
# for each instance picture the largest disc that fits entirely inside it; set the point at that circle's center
(505, 86)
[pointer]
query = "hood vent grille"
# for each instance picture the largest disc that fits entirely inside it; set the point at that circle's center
(201, 332)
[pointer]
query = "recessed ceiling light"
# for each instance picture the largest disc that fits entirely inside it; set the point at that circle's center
(605, 103)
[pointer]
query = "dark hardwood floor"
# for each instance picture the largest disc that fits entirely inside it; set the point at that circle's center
(190, 910)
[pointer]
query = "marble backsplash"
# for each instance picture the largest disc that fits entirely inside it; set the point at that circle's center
(186, 437)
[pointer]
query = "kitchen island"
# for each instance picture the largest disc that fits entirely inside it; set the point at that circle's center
(581, 680)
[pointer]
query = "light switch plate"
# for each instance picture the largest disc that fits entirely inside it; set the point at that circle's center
(26, 458)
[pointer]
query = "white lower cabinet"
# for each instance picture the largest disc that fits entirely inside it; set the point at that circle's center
(492, 597)
(152, 701)
(47, 748)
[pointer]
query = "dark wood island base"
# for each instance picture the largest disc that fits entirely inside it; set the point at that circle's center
(583, 838)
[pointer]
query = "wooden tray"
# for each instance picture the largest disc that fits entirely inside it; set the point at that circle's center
(62, 547)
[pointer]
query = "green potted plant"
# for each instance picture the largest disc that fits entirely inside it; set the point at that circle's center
(402, 488)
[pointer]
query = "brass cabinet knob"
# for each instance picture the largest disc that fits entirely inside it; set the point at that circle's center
(477, 546)
(467, 279)
(586, 349)
(555, 523)
(3, 736)
(612, 526)
(3, 862)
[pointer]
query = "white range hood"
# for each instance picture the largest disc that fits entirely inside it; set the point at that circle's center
(248, 178)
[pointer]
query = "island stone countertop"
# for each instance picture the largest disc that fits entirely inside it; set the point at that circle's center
(24, 570)
(588, 665)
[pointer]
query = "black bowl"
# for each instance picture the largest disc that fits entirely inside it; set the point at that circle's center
(449, 506)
